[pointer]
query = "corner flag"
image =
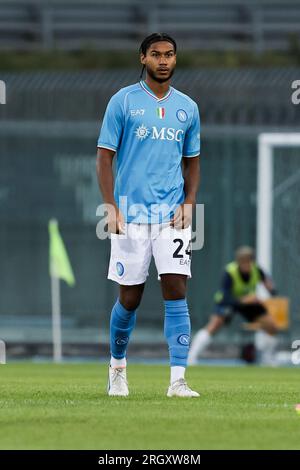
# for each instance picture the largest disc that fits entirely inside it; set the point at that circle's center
(60, 268)
(59, 263)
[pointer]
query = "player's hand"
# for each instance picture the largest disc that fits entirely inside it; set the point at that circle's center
(182, 217)
(250, 299)
(115, 220)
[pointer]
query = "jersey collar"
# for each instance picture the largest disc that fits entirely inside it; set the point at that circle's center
(148, 90)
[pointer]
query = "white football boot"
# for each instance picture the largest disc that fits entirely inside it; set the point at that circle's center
(180, 388)
(117, 383)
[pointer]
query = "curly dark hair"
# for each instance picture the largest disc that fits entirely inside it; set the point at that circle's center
(155, 37)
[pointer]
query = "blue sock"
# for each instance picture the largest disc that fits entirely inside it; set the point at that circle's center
(177, 331)
(122, 322)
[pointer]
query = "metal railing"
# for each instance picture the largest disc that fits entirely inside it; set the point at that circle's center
(237, 25)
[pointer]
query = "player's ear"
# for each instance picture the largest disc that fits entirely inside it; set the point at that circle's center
(143, 59)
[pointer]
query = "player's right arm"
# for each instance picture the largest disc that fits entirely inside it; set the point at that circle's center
(115, 219)
(108, 143)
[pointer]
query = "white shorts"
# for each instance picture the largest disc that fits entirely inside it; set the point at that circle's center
(131, 252)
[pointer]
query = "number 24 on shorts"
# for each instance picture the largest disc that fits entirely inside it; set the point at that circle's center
(178, 252)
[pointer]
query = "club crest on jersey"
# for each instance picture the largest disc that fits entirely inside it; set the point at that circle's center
(160, 112)
(181, 115)
(120, 268)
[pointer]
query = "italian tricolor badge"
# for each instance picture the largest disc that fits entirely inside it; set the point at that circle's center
(160, 112)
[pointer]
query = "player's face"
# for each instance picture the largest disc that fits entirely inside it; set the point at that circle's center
(245, 265)
(160, 61)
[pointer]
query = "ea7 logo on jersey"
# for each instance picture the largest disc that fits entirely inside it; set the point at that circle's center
(137, 112)
(165, 133)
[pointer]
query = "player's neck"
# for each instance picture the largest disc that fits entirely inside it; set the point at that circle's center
(159, 89)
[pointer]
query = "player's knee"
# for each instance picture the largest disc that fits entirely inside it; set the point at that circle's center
(268, 325)
(130, 301)
(174, 289)
(175, 295)
(271, 329)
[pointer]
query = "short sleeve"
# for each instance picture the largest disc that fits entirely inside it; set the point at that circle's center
(191, 146)
(112, 125)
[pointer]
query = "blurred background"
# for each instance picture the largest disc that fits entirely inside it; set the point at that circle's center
(61, 62)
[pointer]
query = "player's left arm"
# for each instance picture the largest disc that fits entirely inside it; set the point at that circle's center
(191, 175)
(190, 170)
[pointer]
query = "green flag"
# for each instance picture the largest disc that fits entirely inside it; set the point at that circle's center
(59, 264)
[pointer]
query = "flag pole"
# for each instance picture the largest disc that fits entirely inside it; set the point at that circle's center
(59, 268)
(56, 319)
(2, 352)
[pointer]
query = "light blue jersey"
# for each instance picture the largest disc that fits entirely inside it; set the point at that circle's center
(150, 136)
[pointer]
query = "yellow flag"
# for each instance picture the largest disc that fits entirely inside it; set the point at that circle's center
(59, 263)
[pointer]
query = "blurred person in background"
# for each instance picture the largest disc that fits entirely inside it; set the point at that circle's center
(237, 295)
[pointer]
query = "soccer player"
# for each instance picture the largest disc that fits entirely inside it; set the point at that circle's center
(154, 130)
(238, 295)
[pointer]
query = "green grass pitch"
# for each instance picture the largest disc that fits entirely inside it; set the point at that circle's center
(47, 406)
